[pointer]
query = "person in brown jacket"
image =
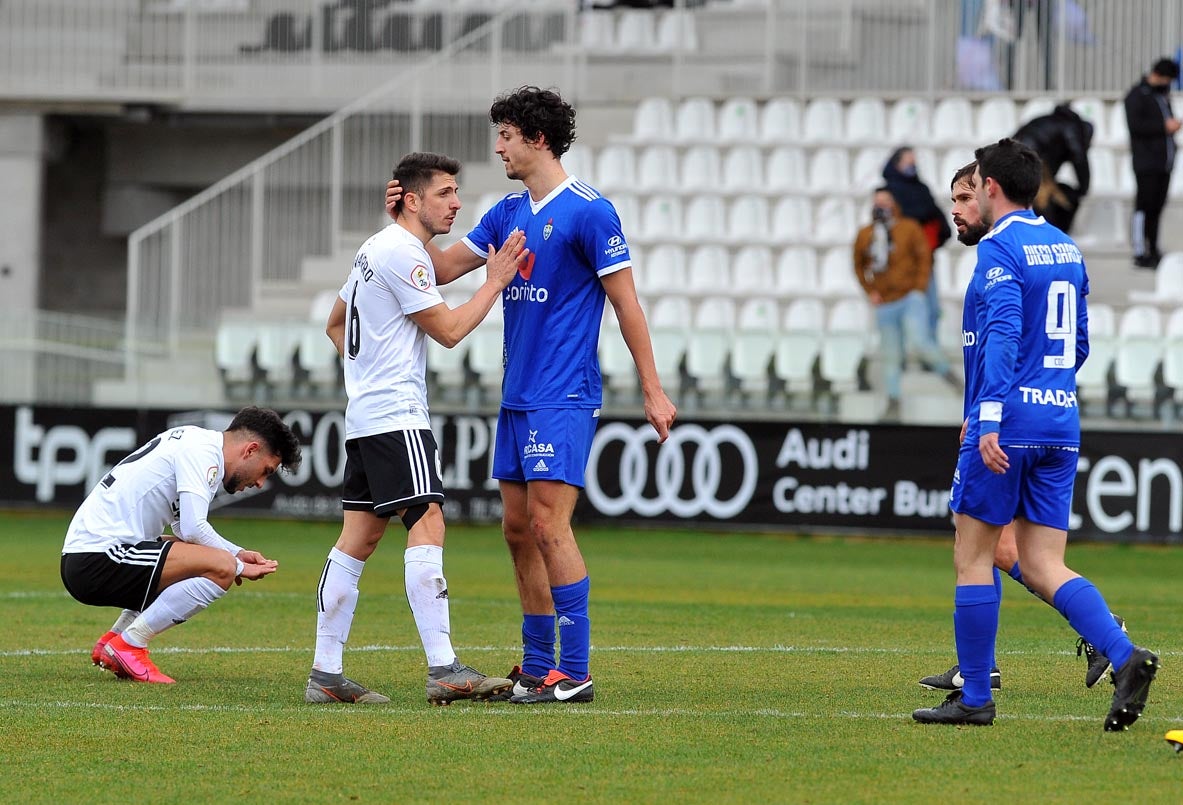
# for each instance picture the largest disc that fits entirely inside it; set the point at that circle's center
(893, 262)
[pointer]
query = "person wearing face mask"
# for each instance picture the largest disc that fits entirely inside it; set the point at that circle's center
(1152, 145)
(892, 262)
(916, 201)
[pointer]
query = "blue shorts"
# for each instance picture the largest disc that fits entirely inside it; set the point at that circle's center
(1037, 487)
(548, 444)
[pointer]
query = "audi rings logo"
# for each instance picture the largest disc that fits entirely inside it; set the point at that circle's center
(703, 449)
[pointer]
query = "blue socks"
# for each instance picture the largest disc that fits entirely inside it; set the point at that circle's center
(574, 627)
(998, 606)
(538, 644)
(1081, 603)
(975, 626)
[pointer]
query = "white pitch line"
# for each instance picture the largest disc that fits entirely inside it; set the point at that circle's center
(684, 649)
(482, 711)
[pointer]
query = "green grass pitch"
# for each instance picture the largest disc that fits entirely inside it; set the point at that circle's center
(729, 668)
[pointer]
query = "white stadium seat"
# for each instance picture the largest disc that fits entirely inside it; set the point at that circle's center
(835, 221)
(636, 32)
(1093, 110)
(1168, 283)
(668, 325)
(796, 273)
(702, 169)
(845, 344)
(234, 352)
(579, 161)
(867, 173)
(909, 122)
(747, 220)
(963, 272)
(653, 122)
(792, 221)
(709, 344)
(1117, 130)
(738, 121)
(866, 120)
(616, 362)
(663, 270)
(694, 121)
(754, 343)
(1172, 359)
(677, 31)
(1092, 379)
(823, 121)
(616, 168)
(752, 272)
(953, 122)
(780, 121)
(709, 272)
(657, 169)
(798, 344)
(661, 219)
(743, 170)
(1139, 351)
(836, 279)
(829, 171)
(787, 170)
(996, 118)
(276, 350)
(1036, 107)
(318, 359)
(706, 220)
(486, 354)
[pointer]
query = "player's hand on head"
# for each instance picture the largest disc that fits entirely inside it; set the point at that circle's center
(992, 454)
(394, 191)
(660, 412)
(501, 264)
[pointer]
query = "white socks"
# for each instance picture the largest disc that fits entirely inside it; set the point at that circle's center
(125, 619)
(336, 600)
(175, 605)
(427, 593)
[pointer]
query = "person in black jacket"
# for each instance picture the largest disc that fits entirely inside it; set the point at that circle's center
(915, 201)
(1152, 146)
(1059, 137)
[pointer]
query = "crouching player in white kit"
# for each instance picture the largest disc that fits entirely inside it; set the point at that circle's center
(386, 310)
(114, 554)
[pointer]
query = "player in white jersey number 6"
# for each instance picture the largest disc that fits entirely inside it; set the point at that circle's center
(387, 308)
(114, 555)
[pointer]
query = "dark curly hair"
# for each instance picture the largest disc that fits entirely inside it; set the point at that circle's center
(266, 424)
(537, 113)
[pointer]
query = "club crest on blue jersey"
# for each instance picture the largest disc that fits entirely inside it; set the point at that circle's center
(550, 227)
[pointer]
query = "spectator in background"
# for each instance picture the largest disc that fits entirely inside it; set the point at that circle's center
(1152, 146)
(892, 261)
(915, 201)
(1059, 137)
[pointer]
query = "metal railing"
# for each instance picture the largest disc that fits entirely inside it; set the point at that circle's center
(59, 356)
(257, 225)
(317, 55)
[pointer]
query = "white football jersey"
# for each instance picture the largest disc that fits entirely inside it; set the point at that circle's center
(385, 351)
(140, 496)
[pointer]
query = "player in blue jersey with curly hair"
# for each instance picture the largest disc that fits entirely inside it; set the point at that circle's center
(551, 394)
(1025, 331)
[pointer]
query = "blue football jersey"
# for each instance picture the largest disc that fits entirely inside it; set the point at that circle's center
(554, 305)
(1025, 333)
